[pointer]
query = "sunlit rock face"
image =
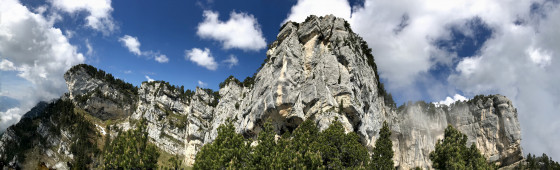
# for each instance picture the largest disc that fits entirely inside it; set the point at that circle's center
(317, 70)
(490, 123)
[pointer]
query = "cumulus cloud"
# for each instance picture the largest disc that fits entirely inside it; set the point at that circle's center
(519, 59)
(149, 79)
(241, 31)
(6, 65)
(9, 117)
(99, 12)
(231, 61)
(202, 84)
(37, 52)
(449, 100)
(304, 8)
(202, 58)
(162, 58)
(133, 45)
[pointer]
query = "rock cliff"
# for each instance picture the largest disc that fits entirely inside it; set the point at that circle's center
(318, 70)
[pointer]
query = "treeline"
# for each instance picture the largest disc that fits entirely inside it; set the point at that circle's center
(130, 149)
(248, 82)
(305, 148)
(542, 162)
(308, 148)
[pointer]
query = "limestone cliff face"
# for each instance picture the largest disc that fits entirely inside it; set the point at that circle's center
(318, 70)
(489, 122)
(97, 95)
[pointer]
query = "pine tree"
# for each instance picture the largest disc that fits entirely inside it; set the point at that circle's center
(131, 150)
(382, 157)
(229, 150)
(305, 141)
(265, 152)
(452, 153)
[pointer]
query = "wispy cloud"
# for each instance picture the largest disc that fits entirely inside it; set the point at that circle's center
(231, 61)
(202, 84)
(148, 78)
(133, 45)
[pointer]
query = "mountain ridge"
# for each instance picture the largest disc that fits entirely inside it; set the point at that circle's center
(318, 70)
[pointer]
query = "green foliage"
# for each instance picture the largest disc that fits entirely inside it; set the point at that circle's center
(249, 82)
(230, 79)
(131, 150)
(25, 129)
(382, 157)
(215, 95)
(427, 107)
(452, 153)
(175, 162)
(305, 148)
(61, 111)
(541, 162)
(229, 150)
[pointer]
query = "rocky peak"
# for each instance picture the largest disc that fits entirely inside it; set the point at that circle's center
(100, 93)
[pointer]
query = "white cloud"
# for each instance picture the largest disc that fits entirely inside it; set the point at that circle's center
(241, 31)
(449, 100)
(202, 58)
(469, 65)
(202, 84)
(132, 44)
(519, 60)
(149, 79)
(89, 48)
(231, 61)
(162, 58)
(304, 8)
(6, 65)
(38, 52)
(127, 71)
(99, 12)
(69, 33)
(10, 117)
(539, 57)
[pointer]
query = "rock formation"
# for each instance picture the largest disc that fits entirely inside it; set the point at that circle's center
(318, 70)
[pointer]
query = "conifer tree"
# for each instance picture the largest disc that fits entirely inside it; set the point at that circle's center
(382, 157)
(452, 153)
(229, 150)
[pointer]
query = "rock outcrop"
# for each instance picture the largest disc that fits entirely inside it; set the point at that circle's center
(99, 93)
(318, 70)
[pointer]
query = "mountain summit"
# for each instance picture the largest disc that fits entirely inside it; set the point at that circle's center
(317, 70)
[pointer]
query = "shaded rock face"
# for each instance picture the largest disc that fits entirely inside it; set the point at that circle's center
(317, 70)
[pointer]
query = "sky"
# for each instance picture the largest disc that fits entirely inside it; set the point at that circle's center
(438, 51)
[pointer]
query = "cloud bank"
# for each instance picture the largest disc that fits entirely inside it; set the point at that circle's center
(37, 52)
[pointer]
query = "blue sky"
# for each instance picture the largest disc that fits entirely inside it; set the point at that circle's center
(437, 51)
